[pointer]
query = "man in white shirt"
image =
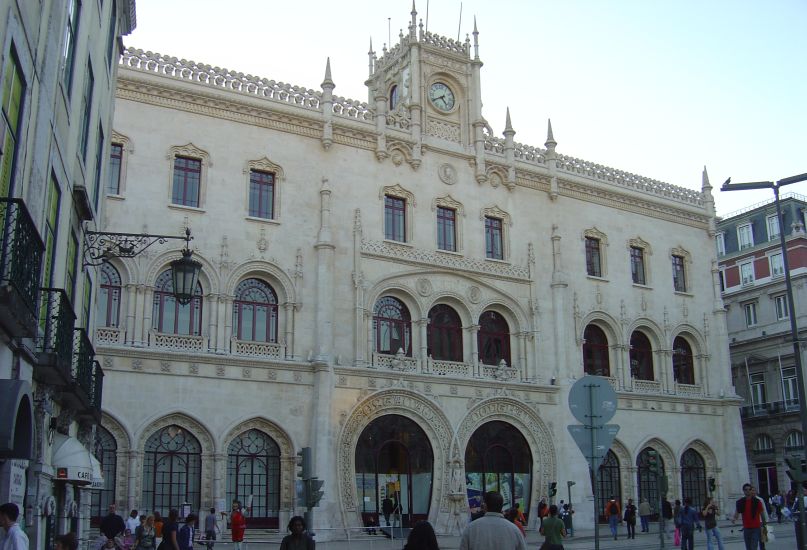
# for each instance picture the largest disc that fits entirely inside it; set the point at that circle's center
(13, 538)
(492, 531)
(132, 522)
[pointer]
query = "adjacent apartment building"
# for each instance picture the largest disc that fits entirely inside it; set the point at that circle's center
(752, 277)
(394, 285)
(58, 65)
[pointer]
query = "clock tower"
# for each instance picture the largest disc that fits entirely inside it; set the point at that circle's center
(426, 92)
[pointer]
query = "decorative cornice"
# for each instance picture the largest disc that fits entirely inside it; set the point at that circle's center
(416, 256)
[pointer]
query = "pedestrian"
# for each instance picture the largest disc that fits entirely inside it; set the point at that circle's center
(689, 522)
(520, 515)
(543, 511)
(112, 524)
(422, 537)
(133, 521)
(644, 515)
(298, 539)
(187, 533)
(13, 538)
(566, 516)
(238, 524)
(512, 516)
(158, 527)
(68, 541)
(710, 514)
(479, 513)
(211, 526)
(750, 509)
(613, 513)
(386, 508)
(553, 530)
(170, 529)
(630, 518)
(145, 535)
(777, 505)
(677, 523)
(666, 516)
(492, 530)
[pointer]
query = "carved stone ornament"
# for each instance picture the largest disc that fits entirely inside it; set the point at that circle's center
(447, 174)
(474, 294)
(424, 287)
(397, 190)
(448, 202)
(190, 150)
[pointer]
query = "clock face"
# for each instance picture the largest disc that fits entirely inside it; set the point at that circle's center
(441, 96)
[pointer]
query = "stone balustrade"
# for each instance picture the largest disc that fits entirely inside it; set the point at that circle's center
(178, 342)
(449, 368)
(398, 362)
(689, 390)
(646, 386)
(109, 336)
(266, 350)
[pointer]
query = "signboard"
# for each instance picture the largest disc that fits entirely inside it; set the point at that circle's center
(592, 400)
(603, 439)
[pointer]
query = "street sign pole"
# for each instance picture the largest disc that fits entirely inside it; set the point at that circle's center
(661, 496)
(594, 467)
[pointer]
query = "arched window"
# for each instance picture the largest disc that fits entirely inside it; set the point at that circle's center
(253, 470)
(648, 482)
(498, 458)
(445, 334)
(394, 471)
(693, 477)
(595, 352)
(609, 483)
(683, 363)
(255, 311)
(763, 444)
(493, 339)
(641, 356)
(106, 451)
(794, 442)
(172, 470)
(109, 296)
(392, 326)
(168, 315)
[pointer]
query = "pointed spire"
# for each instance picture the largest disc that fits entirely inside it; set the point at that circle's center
(705, 184)
(508, 126)
(370, 51)
(328, 82)
(550, 138)
(476, 40)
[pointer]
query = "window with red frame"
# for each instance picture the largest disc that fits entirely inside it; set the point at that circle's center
(493, 339)
(255, 311)
(261, 194)
(394, 218)
(683, 361)
(115, 163)
(392, 326)
(446, 229)
(109, 297)
(593, 257)
(187, 180)
(169, 316)
(444, 334)
(595, 352)
(493, 238)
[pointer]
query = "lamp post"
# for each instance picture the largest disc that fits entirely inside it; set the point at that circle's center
(794, 329)
(100, 246)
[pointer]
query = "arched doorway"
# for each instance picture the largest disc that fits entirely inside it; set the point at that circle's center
(648, 482)
(693, 477)
(609, 484)
(172, 470)
(106, 451)
(394, 472)
(253, 477)
(498, 458)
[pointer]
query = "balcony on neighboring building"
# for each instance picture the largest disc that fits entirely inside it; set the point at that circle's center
(21, 253)
(86, 374)
(772, 408)
(54, 344)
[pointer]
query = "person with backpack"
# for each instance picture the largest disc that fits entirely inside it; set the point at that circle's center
(630, 518)
(753, 513)
(613, 513)
(186, 533)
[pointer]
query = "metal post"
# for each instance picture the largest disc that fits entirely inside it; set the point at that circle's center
(660, 513)
(794, 334)
(594, 471)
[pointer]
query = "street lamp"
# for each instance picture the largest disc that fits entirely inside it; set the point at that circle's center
(100, 246)
(794, 329)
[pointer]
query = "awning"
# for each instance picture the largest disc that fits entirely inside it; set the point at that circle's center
(71, 460)
(16, 420)
(97, 474)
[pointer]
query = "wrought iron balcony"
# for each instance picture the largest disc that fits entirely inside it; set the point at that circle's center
(54, 344)
(771, 408)
(97, 390)
(21, 253)
(80, 394)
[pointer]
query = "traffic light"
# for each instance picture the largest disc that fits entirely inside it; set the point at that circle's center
(553, 488)
(304, 463)
(313, 492)
(652, 462)
(795, 471)
(712, 485)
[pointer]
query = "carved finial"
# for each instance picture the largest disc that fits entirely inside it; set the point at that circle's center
(476, 40)
(357, 221)
(370, 51)
(326, 186)
(328, 82)
(508, 126)
(706, 185)
(550, 138)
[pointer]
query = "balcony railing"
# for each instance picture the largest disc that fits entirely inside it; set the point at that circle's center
(54, 342)
(771, 408)
(83, 359)
(21, 253)
(97, 390)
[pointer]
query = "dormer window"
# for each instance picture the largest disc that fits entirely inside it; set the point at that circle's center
(393, 97)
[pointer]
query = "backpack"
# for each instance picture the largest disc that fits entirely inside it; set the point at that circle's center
(184, 537)
(613, 509)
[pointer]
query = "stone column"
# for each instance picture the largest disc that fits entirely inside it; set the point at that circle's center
(219, 487)
(222, 344)
(228, 321)
(213, 316)
(132, 482)
(131, 304)
(423, 332)
(370, 339)
(473, 331)
(148, 297)
(521, 343)
(667, 370)
(137, 330)
(288, 324)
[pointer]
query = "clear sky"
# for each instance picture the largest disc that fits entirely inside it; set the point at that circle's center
(658, 88)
